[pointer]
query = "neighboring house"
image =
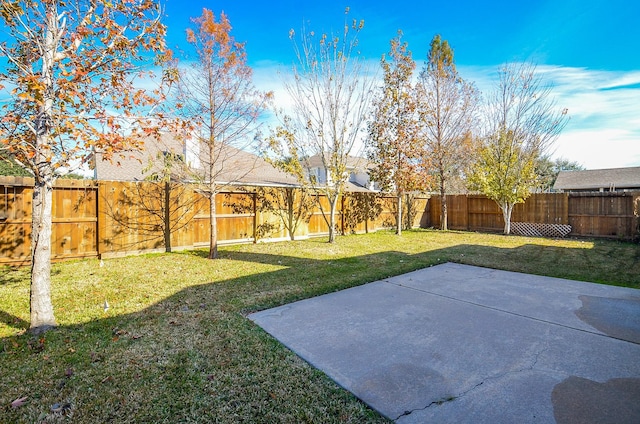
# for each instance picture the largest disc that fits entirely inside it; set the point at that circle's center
(233, 166)
(134, 165)
(357, 168)
(615, 179)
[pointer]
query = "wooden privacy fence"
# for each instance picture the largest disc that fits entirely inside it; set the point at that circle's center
(107, 218)
(608, 214)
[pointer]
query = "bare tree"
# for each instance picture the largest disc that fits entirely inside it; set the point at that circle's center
(521, 123)
(216, 94)
(330, 90)
(447, 106)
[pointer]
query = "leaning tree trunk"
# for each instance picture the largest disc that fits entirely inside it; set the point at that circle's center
(42, 317)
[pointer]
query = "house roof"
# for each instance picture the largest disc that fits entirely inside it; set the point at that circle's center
(131, 165)
(353, 162)
(614, 178)
(241, 167)
(234, 166)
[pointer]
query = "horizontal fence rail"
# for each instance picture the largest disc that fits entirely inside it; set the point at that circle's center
(109, 218)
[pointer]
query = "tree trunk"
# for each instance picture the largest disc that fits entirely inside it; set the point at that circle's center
(290, 213)
(41, 307)
(42, 317)
(399, 216)
(444, 224)
(332, 218)
(506, 214)
(213, 237)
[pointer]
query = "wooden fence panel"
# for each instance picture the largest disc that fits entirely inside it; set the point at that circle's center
(420, 218)
(318, 222)
(484, 214)
(74, 232)
(15, 222)
(184, 206)
(235, 217)
(130, 217)
(387, 218)
(543, 208)
(611, 215)
(457, 212)
(73, 216)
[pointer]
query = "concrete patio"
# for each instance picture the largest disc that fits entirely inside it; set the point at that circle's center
(461, 344)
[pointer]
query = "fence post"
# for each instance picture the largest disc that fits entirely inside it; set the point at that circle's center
(98, 218)
(167, 216)
(342, 214)
(254, 197)
(635, 231)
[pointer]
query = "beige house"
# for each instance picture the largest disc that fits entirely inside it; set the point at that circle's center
(357, 167)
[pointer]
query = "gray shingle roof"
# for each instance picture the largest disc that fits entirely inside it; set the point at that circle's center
(235, 166)
(352, 162)
(596, 179)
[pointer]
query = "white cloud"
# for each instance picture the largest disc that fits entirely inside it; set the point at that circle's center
(604, 126)
(598, 149)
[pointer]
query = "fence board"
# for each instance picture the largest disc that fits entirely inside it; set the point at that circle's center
(612, 215)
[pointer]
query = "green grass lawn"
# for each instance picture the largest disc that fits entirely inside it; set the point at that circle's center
(175, 346)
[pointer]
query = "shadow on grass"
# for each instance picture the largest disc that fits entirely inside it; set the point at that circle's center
(13, 321)
(193, 356)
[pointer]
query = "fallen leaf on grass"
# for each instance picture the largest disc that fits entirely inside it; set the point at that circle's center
(19, 402)
(119, 332)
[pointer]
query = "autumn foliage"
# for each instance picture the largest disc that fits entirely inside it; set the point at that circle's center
(216, 95)
(72, 72)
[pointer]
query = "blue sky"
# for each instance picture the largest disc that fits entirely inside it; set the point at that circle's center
(589, 51)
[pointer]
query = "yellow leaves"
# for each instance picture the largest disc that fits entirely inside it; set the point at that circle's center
(25, 96)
